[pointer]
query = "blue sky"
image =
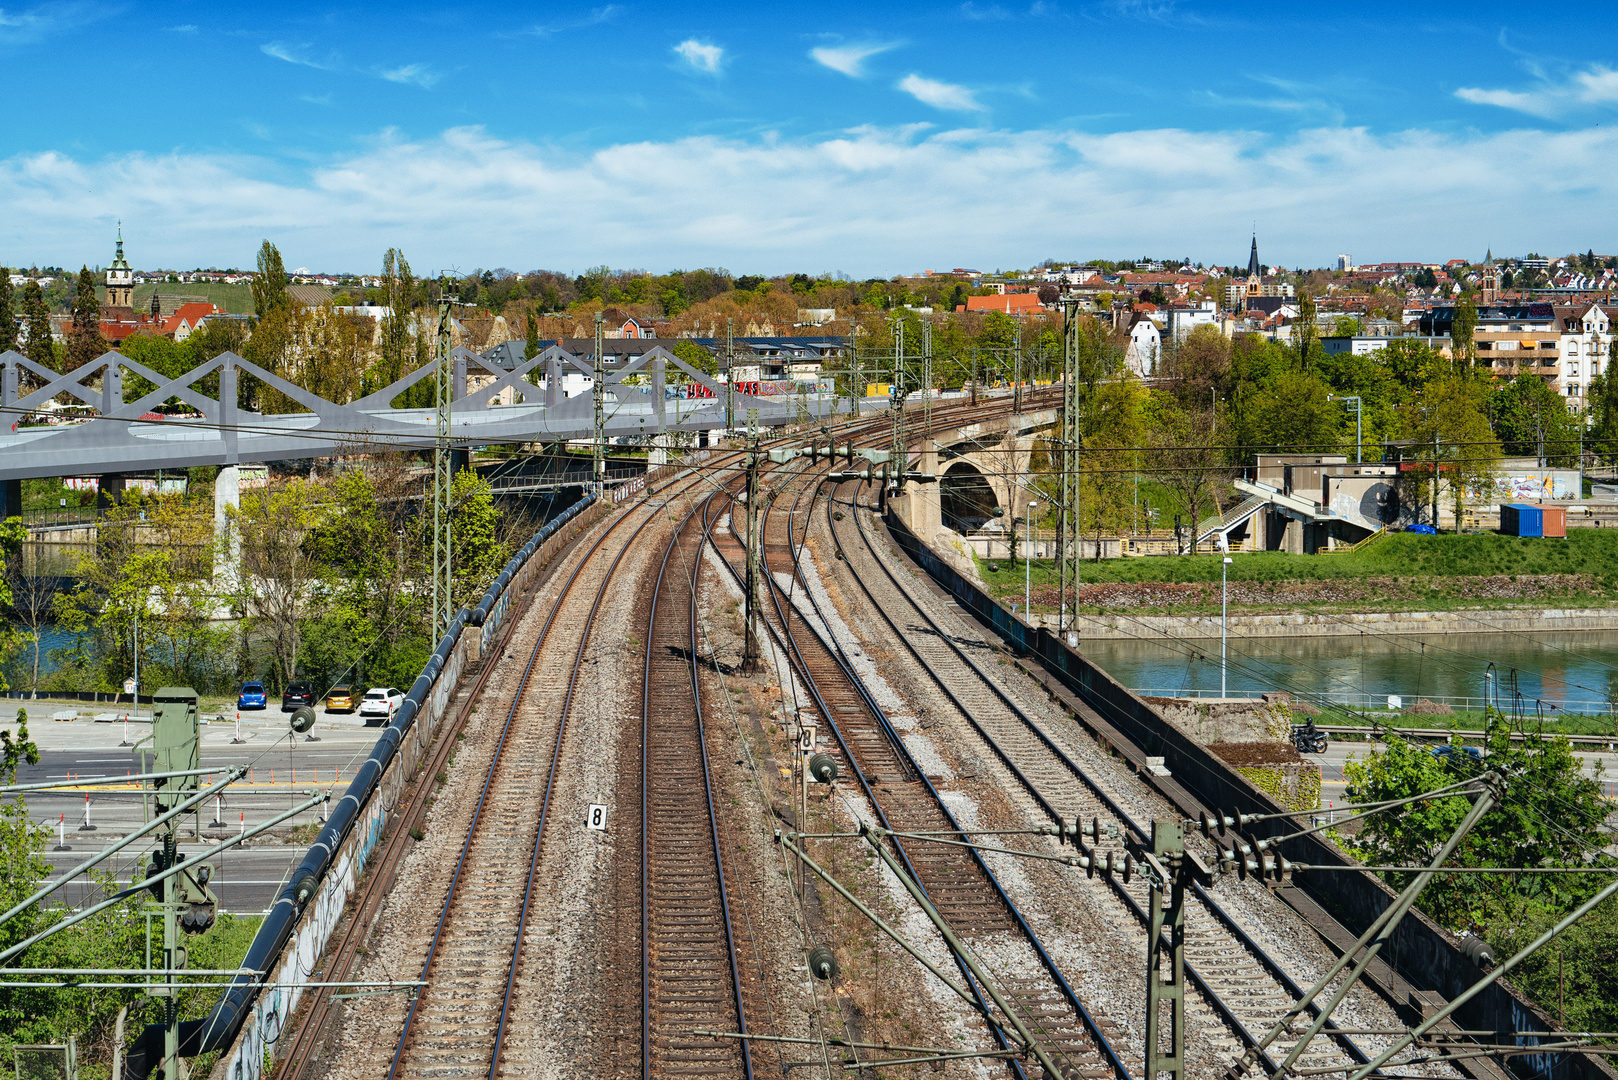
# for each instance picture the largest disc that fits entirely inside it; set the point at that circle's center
(863, 138)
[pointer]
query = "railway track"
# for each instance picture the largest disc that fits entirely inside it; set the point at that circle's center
(458, 1025)
(1240, 984)
(690, 977)
(956, 880)
(341, 956)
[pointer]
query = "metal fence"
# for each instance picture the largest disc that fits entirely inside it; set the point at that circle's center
(1362, 702)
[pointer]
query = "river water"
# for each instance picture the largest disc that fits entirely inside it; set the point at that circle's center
(1577, 672)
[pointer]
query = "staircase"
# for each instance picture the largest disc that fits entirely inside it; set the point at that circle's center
(1230, 519)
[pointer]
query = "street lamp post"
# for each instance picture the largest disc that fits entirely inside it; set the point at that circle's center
(1224, 618)
(1359, 444)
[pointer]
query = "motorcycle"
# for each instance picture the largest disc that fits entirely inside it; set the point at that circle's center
(1308, 742)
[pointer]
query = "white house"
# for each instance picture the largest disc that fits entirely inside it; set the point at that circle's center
(1182, 319)
(1145, 345)
(1583, 348)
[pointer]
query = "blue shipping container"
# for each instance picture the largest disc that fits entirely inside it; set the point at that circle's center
(1520, 519)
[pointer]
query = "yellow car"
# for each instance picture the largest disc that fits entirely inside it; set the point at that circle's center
(340, 699)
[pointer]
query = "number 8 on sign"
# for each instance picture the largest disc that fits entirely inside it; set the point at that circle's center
(597, 818)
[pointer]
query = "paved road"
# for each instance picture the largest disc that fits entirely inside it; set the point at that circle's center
(283, 771)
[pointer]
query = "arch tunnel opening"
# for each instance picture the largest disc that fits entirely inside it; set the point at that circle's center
(966, 501)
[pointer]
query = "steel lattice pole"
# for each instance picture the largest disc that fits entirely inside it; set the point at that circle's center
(443, 396)
(1068, 551)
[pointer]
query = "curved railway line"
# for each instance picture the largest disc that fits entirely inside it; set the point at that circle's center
(1239, 982)
(957, 881)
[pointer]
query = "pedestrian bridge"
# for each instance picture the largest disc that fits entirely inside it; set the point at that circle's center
(129, 437)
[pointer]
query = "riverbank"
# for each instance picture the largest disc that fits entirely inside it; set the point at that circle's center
(1517, 620)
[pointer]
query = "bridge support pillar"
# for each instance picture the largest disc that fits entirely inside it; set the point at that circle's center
(227, 496)
(109, 492)
(10, 498)
(920, 506)
(658, 453)
(460, 458)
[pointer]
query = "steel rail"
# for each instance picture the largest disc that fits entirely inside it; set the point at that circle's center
(381, 877)
(1222, 1007)
(707, 781)
(1093, 1028)
(905, 760)
(488, 783)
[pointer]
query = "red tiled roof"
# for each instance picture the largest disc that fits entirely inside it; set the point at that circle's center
(1006, 303)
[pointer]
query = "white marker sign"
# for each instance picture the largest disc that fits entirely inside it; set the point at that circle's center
(806, 738)
(597, 818)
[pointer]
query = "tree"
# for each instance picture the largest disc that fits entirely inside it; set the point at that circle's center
(270, 284)
(1114, 418)
(398, 294)
(1183, 452)
(1048, 294)
(8, 313)
(37, 321)
(1290, 411)
(280, 574)
(1531, 420)
(530, 348)
(1550, 815)
(1462, 346)
(1306, 333)
(1199, 368)
(32, 603)
(84, 341)
(1448, 425)
(153, 563)
(478, 553)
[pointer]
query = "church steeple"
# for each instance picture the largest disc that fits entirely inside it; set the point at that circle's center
(1254, 270)
(120, 278)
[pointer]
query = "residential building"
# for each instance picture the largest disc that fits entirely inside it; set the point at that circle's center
(1358, 345)
(1182, 318)
(1145, 344)
(1344, 263)
(1006, 303)
(1584, 346)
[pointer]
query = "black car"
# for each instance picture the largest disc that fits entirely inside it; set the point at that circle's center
(298, 694)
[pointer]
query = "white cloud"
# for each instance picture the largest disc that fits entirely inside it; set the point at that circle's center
(874, 201)
(701, 55)
(596, 17)
(847, 59)
(421, 74)
(292, 54)
(1591, 88)
(940, 95)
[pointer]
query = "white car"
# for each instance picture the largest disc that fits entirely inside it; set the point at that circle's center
(380, 703)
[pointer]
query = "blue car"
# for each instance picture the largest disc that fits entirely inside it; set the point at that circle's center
(1452, 753)
(252, 697)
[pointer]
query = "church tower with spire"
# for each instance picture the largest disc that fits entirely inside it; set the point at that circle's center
(1255, 271)
(120, 278)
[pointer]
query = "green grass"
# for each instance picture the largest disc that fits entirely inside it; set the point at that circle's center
(1585, 551)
